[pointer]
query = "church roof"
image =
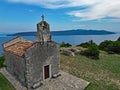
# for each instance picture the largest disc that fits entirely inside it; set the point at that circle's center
(19, 48)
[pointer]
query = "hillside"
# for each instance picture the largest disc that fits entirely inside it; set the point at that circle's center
(68, 32)
(103, 74)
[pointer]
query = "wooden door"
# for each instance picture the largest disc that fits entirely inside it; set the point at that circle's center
(46, 71)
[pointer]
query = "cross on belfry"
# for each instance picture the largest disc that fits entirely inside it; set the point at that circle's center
(42, 17)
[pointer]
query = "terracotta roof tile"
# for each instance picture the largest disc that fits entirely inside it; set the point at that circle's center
(19, 48)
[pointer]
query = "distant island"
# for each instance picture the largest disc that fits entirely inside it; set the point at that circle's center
(67, 32)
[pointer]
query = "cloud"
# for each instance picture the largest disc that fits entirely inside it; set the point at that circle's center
(54, 4)
(101, 10)
(95, 9)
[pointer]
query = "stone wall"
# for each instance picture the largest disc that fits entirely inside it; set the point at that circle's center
(15, 65)
(40, 55)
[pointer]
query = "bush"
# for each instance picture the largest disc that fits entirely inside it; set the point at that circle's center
(118, 39)
(92, 52)
(104, 45)
(65, 44)
(86, 44)
(110, 46)
(2, 60)
(114, 47)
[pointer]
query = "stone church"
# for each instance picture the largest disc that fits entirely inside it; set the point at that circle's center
(32, 63)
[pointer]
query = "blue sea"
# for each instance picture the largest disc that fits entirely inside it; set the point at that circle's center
(72, 39)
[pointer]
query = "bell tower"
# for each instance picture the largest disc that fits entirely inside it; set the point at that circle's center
(43, 31)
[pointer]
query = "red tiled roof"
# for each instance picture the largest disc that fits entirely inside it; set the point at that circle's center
(19, 48)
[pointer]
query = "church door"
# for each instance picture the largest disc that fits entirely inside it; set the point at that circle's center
(46, 72)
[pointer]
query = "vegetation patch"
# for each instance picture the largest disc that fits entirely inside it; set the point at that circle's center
(86, 44)
(110, 46)
(4, 84)
(63, 44)
(2, 60)
(91, 52)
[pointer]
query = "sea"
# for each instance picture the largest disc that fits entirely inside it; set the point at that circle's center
(72, 39)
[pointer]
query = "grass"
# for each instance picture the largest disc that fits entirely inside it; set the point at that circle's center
(4, 84)
(103, 74)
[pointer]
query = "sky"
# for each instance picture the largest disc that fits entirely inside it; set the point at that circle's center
(23, 15)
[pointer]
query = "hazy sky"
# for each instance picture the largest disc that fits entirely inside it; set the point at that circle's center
(23, 15)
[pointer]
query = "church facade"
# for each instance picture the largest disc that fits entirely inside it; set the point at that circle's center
(32, 63)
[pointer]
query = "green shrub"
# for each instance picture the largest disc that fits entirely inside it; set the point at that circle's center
(118, 39)
(2, 60)
(104, 45)
(65, 44)
(114, 47)
(86, 44)
(110, 46)
(92, 51)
